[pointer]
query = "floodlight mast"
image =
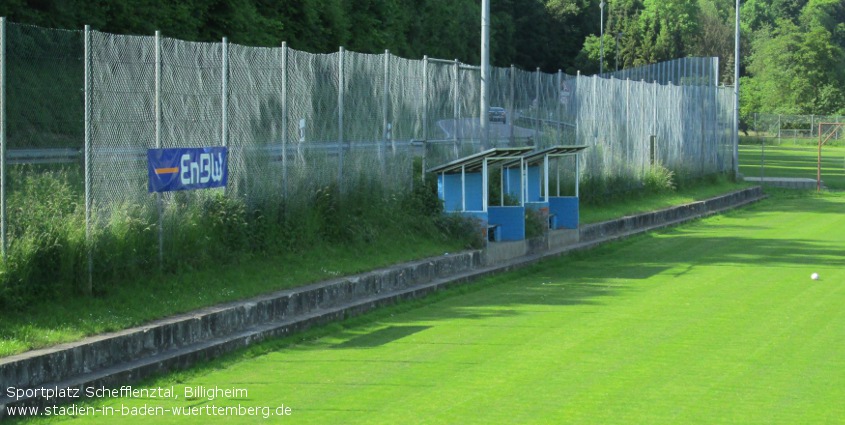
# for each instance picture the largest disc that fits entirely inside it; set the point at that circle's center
(736, 97)
(485, 72)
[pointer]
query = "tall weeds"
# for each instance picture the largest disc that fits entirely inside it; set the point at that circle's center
(48, 248)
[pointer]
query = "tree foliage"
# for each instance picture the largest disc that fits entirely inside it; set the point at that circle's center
(792, 50)
(526, 33)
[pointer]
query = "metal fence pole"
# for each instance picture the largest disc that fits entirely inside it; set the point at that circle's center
(425, 98)
(537, 114)
(424, 113)
(456, 87)
(385, 106)
(285, 120)
(3, 240)
(628, 121)
(559, 117)
(159, 200)
(654, 125)
(577, 108)
(224, 127)
(89, 288)
(511, 99)
(340, 84)
(594, 101)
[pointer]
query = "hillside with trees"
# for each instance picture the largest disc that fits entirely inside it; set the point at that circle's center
(793, 51)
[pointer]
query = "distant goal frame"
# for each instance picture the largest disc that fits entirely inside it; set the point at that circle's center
(835, 126)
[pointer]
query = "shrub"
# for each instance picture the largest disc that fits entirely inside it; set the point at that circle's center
(535, 223)
(48, 250)
(659, 179)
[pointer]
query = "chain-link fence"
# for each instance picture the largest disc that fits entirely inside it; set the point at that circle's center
(777, 128)
(295, 122)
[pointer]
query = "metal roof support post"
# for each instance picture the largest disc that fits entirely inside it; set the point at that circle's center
(502, 187)
(522, 182)
(546, 177)
(443, 185)
(484, 187)
(557, 168)
(463, 188)
(577, 175)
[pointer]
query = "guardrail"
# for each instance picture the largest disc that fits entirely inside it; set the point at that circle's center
(274, 151)
(43, 156)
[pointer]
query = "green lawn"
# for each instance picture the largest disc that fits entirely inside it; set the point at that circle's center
(142, 300)
(794, 161)
(712, 322)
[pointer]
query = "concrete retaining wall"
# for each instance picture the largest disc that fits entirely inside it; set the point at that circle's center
(63, 362)
(178, 342)
(626, 225)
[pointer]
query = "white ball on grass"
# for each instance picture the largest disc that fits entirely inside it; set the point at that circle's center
(814, 276)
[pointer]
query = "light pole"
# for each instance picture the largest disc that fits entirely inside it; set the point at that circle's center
(736, 96)
(618, 34)
(601, 38)
(485, 72)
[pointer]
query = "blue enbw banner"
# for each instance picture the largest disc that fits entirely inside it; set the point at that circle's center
(187, 168)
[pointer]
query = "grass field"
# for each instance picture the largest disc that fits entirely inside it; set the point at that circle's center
(794, 161)
(713, 322)
(139, 300)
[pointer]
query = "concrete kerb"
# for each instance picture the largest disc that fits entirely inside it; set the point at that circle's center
(176, 343)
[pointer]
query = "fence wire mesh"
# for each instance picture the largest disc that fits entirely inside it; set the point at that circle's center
(296, 122)
(780, 127)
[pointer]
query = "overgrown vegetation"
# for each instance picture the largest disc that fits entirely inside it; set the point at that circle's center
(48, 249)
(656, 180)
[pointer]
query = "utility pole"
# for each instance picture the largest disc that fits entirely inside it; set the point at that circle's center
(485, 72)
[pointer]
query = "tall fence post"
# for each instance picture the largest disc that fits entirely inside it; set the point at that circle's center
(340, 83)
(594, 101)
(424, 114)
(224, 76)
(425, 98)
(455, 88)
(386, 106)
(577, 109)
(536, 103)
(558, 116)
(285, 120)
(628, 121)
(654, 124)
(157, 99)
(89, 244)
(3, 240)
(511, 98)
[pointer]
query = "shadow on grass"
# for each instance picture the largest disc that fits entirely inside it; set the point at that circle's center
(588, 278)
(381, 336)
